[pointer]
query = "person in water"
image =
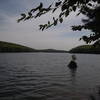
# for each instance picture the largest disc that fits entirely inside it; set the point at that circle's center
(72, 63)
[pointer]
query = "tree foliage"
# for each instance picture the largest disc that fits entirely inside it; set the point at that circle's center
(90, 8)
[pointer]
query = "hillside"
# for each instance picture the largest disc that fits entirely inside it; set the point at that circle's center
(12, 47)
(90, 49)
(53, 51)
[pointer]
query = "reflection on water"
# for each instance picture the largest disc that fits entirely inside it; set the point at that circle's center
(43, 76)
(73, 78)
(73, 72)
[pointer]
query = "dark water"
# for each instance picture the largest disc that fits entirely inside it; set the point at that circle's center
(43, 76)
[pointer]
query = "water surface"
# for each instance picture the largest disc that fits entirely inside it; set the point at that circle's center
(45, 76)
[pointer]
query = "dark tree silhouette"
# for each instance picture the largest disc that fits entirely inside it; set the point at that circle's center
(91, 23)
(90, 8)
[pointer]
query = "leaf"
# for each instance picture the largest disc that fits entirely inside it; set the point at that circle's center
(49, 22)
(55, 21)
(66, 13)
(50, 6)
(54, 18)
(64, 7)
(61, 20)
(85, 38)
(40, 26)
(80, 39)
(89, 4)
(37, 15)
(27, 18)
(29, 13)
(78, 14)
(18, 20)
(74, 8)
(23, 17)
(43, 28)
(40, 6)
(62, 13)
(58, 3)
(49, 26)
(32, 10)
(54, 10)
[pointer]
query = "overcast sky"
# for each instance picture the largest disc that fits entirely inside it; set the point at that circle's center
(27, 33)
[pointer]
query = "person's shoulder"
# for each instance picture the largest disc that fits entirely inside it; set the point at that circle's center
(72, 64)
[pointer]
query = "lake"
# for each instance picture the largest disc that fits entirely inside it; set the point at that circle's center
(45, 76)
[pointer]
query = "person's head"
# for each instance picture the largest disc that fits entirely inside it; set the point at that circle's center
(73, 57)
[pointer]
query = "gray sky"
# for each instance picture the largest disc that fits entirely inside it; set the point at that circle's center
(27, 33)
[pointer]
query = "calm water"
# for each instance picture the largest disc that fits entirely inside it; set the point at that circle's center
(45, 76)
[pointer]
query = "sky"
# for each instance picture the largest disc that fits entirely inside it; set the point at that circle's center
(27, 33)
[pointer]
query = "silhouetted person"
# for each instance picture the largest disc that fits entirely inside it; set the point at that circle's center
(72, 64)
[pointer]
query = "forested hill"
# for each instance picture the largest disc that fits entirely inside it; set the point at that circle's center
(12, 47)
(90, 49)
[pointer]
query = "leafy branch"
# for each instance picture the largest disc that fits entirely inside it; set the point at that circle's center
(89, 8)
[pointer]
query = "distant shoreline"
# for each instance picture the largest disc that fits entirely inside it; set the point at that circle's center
(6, 47)
(36, 52)
(50, 52)
(86, 49)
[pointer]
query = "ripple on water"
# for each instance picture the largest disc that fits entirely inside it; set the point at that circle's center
(46, 77)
